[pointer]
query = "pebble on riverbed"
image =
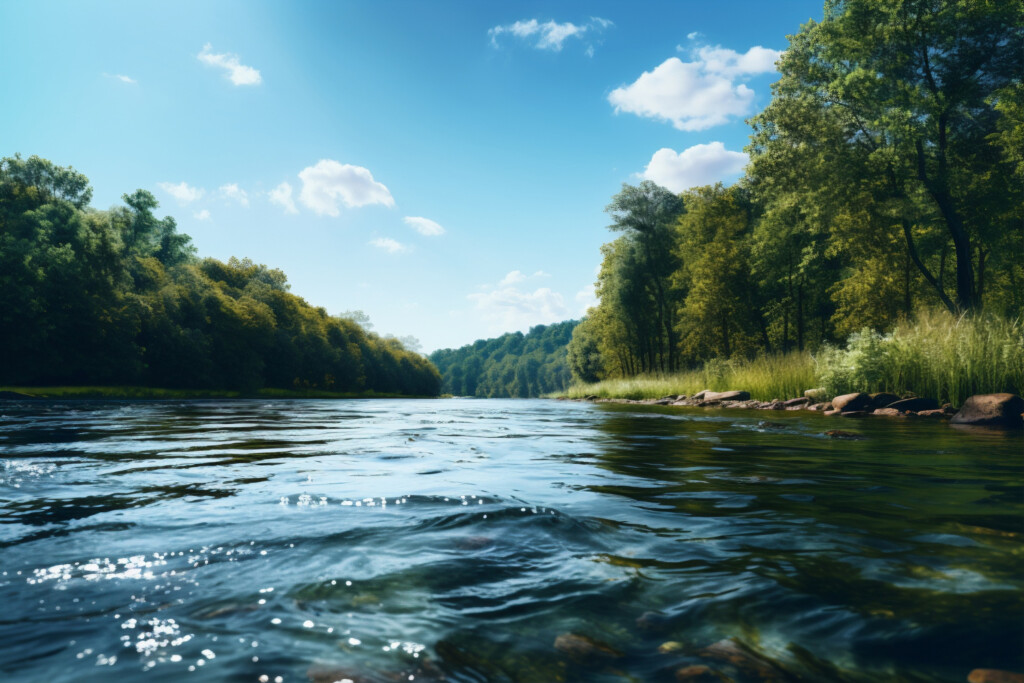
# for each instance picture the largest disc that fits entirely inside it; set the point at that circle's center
(584, 649)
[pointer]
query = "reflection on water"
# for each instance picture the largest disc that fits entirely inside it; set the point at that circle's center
(464, 540)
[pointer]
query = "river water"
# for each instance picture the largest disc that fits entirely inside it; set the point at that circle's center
(501, 540)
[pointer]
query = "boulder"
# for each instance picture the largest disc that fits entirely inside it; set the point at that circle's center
(883, 400)
(914, 405)
(818, 394)
(995, 410)
(796, 402)
(888, 412)
(994, 676)
(847, 402)
(726, 395)
(584, 648)
(699, 395)
(938, 414)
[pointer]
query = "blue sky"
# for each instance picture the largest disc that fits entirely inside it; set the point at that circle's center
(442, 166)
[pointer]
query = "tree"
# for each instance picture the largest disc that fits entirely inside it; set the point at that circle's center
(913, 86)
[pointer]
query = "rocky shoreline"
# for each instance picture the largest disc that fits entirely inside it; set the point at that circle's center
(990, 410)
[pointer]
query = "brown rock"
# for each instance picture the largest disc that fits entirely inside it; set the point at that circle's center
(915, 405)
(699, 674)
(584, 648)
(888, 412)
(849, 402)
(817, 407)
(699, 395)
(726, 395)
(996, 410)
(830, 411)
(938, 413)
(883, 399)
(994, 676)
(840, 434)
(797, 401)
(854, 413)
(746, 660)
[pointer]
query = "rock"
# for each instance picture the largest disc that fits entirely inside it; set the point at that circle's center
(854, 413)
(670, 398)
(709, 404)
(915, 405)
(699, 395)
(654, 622)
(840, 434)
(746, 660)
(584, 648)
(726, 395)
(818, 407)
(590, 397)
(883, 400)
(994, 676)
(670, 646)
(663, 402)
(938, 413)
(888, 412)
(995, 410)
(320, 674)
(796, 401)
(815, 394)
(699, 674)
(830, 411)
(848, 402)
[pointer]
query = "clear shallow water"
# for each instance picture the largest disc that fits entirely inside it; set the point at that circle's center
(457, 540)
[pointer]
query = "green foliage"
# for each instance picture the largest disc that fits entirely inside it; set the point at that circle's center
(938, 355)
(118, 298)
(512, 365)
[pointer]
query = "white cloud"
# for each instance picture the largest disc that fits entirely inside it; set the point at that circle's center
(122, 78)
(424, 226)
(203, 215)
(389, 245)
(282, 196)
(514, 277)
(324, 184)
(508, 308)
(183, 192)
(233, 192)
(694, 35)
(239, 73)
(698, 94)
(548, 35)
(697, 165)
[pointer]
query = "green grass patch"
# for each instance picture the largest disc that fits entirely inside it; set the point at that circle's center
(158, 393)
(937, 355)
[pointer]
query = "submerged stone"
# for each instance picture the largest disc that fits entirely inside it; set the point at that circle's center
(994, 676)
(698, 673)
(584, 648)
(840, 434)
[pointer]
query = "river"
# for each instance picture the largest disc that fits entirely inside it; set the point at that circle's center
(501, 540)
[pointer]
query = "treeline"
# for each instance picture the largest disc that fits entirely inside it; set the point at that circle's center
(886, 178)
(119, 297)
(513, 365)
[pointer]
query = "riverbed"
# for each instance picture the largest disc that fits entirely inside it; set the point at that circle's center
(501, 540)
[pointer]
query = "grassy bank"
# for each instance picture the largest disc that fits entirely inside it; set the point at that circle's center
(937, 355)
(132, 392)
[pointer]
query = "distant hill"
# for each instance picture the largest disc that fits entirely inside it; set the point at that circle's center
(513, 365)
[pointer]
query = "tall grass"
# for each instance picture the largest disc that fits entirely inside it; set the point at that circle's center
(936, 355)
(765, 377)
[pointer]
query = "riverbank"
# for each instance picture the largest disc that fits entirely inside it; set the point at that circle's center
(989, 410)
(160, 393)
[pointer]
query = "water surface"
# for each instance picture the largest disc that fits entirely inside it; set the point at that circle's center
(456, 540)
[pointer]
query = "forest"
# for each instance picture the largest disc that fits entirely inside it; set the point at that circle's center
(119, 297)
(513, 365)
(885, 183)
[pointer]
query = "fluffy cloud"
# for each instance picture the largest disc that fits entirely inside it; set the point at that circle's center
(282, 196)
(389, 245)
(698, 94)
(234, 193)
(517, 276)
(548, 35)
(239, 73)
(424, 226)
(203, 215)
(508, 308)
(697, 165)
(329, 182)
(183, 192)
